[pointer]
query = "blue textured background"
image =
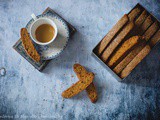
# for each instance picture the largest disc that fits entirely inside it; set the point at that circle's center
(27, 93)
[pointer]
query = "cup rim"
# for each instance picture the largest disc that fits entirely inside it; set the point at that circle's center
(55, 34)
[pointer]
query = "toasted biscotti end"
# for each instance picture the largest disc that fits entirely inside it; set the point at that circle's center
(78, 69)
(28, 45)
(92, 92)
(79, 86)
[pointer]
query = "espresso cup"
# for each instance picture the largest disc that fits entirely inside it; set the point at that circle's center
(38, 22)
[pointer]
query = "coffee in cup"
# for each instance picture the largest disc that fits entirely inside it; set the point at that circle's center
(44, 33)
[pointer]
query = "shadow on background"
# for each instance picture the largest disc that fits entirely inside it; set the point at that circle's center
(7, 111)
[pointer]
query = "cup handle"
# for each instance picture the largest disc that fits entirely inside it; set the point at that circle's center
(33, 16)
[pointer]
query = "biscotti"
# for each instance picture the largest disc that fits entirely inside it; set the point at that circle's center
(28, 45)
(121, 58)
(146, 24)
(155, 39)
(138, 58)
(142, 25)
(110, 35)
(134, 13)
(123, 50)
(151, 31)
(128, 58)
(142, 54)
(138, 22)
(119, 38)
(91, 90)
(79, 86)
(141, 18)
(147, 35)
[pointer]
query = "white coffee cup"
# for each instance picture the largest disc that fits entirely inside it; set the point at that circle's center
(40, 21)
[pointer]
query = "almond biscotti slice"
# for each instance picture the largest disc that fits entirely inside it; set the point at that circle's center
(28, 45)
(155, 39)
(142, 54)
(151, 31)
(79, 86)
(137, 59)
(123, 50)
(145, 25)
(119, 38)
(117, 69)
(147, 36)
(141, 18)
(111, 34)
(134, 13)
(91, 90)
(138, 23)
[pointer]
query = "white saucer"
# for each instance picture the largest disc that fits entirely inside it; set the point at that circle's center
(57, 46)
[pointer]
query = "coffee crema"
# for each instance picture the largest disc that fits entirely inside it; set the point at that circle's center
(44, 33)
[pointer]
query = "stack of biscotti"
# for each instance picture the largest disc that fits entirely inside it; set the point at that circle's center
(129, 41)
(85, 83)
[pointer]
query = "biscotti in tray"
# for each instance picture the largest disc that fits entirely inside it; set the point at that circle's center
(128, 42)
